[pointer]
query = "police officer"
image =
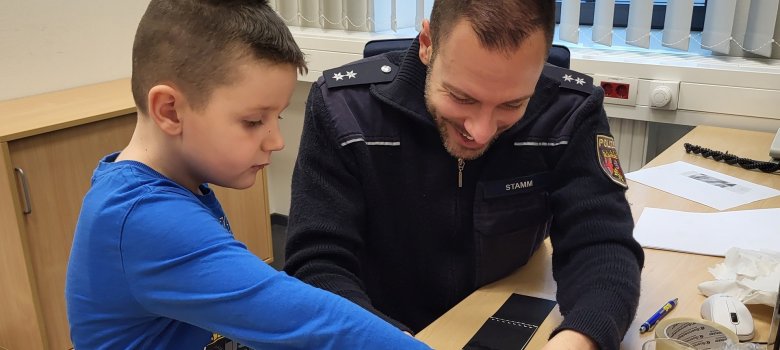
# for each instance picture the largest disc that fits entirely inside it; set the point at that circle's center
(426, 174)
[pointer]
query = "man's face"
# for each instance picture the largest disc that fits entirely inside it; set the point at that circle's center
(474, 93)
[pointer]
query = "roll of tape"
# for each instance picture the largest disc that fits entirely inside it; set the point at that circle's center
(700, 334)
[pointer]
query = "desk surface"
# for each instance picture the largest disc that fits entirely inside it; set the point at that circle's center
(454, 329)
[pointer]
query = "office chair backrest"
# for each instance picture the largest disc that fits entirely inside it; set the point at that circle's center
(559, 54)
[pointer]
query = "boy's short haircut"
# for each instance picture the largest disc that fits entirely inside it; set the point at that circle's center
(196, 45)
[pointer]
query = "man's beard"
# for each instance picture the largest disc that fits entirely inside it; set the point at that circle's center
(452, 147)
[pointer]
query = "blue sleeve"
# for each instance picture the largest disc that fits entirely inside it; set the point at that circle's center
(180, 263)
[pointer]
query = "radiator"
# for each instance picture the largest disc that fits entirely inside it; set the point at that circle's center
(631, 142)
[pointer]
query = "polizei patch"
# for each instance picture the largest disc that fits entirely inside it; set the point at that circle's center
(608, 159)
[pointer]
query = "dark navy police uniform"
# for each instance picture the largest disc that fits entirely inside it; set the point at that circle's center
(382, 215)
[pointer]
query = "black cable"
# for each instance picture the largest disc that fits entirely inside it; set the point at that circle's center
(730, 159)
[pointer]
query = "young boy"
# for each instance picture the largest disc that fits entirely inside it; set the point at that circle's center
(153, 263)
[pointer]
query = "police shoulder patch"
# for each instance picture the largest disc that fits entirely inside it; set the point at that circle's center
(370, 71)
(608, 159)
(569, 79)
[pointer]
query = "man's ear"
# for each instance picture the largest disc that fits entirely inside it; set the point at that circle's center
(164, 103)
(426, 43)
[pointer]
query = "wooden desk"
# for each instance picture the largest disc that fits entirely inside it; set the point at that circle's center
(666, 275)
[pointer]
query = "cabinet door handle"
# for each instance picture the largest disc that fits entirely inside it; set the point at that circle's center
(25, 190)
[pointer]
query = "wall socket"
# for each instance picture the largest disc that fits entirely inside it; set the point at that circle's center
(617, 90)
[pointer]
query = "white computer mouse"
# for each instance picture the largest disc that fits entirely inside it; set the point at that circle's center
(729, 312)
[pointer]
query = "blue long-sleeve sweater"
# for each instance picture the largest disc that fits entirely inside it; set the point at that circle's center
(154, 266)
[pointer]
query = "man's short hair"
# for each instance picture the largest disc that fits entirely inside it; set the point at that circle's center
(500, 24)
(196, 45)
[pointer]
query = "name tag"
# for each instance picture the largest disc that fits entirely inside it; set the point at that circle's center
(523, 184)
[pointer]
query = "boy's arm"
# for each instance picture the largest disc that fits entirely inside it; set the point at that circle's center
(596, 261)
(192, 270)
(327, 213)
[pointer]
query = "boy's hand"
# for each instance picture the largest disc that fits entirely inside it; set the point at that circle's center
(570, 340)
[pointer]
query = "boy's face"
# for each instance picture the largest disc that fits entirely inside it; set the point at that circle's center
(230, 139)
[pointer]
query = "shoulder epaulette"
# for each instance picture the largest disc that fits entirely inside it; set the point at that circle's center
(371, 71)
(569, 79)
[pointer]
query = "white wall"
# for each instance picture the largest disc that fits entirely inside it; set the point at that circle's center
(50, 45)
(283, 162)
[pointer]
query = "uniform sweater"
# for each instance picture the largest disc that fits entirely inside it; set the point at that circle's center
(378, 215)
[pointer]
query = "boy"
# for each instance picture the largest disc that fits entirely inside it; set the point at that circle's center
(153, 263)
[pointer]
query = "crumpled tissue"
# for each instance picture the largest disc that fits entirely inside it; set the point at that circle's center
(750, 275)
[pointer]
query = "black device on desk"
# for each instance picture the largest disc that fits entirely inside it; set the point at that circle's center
(732, 159)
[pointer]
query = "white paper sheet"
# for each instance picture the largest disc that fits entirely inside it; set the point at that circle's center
(711, 188)
(708, 233)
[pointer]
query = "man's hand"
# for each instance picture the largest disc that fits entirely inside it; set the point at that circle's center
(570, 340)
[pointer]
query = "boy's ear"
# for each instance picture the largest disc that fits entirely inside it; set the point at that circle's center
(163, 102)
(426, 43)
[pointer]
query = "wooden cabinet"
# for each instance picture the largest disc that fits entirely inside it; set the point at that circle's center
(49, 146)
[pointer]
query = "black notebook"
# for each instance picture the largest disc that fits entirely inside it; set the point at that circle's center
(513, 325)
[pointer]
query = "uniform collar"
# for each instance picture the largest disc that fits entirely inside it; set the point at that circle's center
(407, 91)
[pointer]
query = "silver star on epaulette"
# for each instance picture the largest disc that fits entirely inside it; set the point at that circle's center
(338, 76)
(580, 81)
(568, 78)
(351, 74)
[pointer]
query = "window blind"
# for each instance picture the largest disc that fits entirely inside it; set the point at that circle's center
(718, 25)
(603, 15)
(353, 15)
(569, 28)
(638, 28)
(731, 27)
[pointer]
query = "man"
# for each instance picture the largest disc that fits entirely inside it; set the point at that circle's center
(426, 174)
